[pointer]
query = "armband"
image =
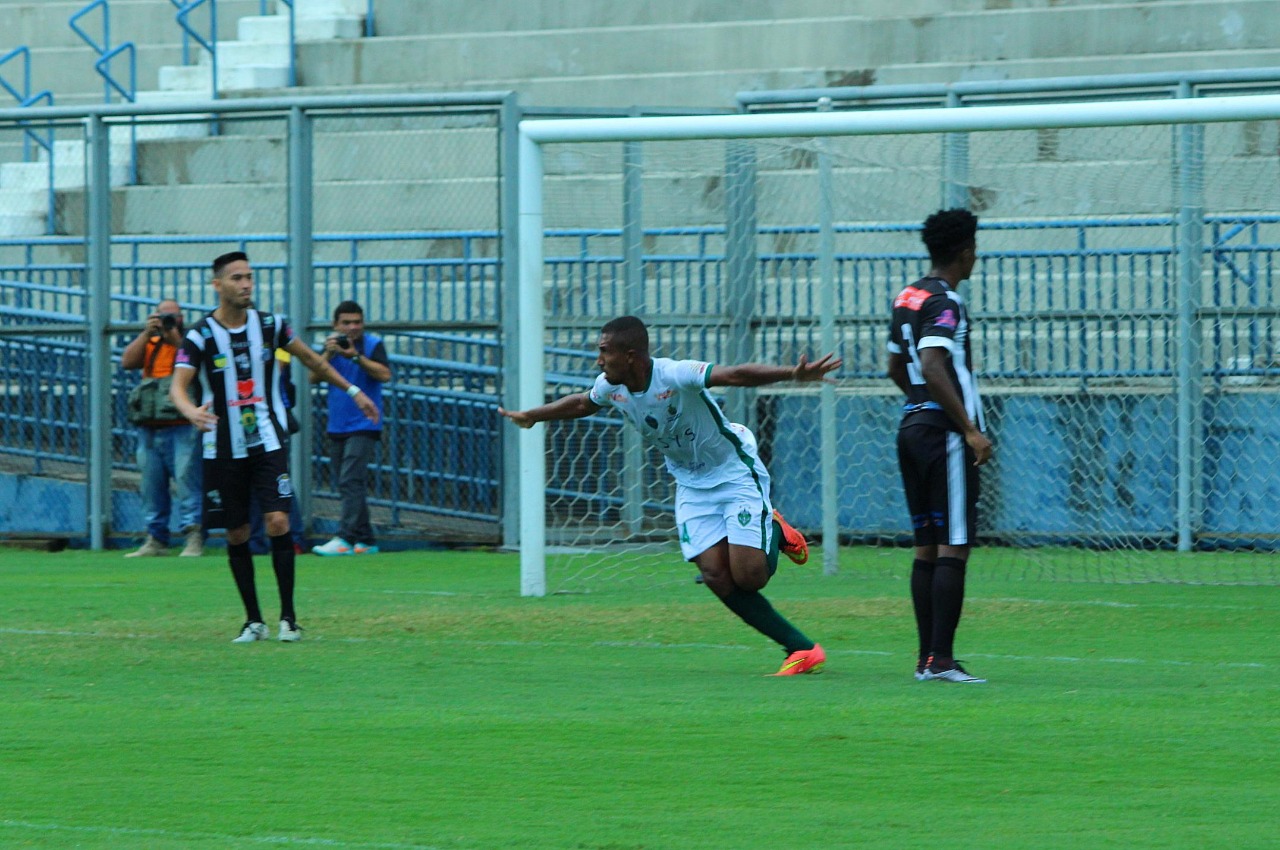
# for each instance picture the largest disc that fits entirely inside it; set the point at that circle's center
(353, 391)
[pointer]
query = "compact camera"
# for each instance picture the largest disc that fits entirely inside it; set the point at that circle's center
(169, 321)
(344, 342)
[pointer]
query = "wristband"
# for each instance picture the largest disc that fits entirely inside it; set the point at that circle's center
(355, 358)
(353, 391)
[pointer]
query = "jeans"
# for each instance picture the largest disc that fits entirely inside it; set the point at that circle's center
(350, 457)
(164, 453)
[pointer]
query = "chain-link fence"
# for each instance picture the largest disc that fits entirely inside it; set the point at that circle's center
(395, 202)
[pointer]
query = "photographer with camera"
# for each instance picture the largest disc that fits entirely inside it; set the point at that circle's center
(361, 359)
(168, 445)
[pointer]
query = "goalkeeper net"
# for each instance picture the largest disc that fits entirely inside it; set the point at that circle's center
(1125, 333)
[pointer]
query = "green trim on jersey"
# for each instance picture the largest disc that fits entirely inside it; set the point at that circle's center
(706, 379)
(722, 424)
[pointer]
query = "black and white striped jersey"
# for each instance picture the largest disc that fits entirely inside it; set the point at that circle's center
(930, 313)
(236, 369)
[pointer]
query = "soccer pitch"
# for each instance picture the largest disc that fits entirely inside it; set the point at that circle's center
(431, 707)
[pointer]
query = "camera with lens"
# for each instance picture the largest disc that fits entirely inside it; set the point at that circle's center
(169, 321)
(344, 342)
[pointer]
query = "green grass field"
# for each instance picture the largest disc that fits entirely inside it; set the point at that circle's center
(432, 707)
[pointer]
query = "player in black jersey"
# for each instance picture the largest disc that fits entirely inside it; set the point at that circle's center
(241, 414)
(941, 442)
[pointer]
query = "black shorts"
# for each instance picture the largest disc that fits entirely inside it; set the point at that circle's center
(941, 485)
(229, 483)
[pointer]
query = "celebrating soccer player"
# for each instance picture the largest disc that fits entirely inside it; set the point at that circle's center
(727, 525)
(242, 416)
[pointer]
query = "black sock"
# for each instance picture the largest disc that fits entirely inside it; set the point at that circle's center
(757, 613)
(922, 602)
(242, 571)
(282, 561)
(948, 599)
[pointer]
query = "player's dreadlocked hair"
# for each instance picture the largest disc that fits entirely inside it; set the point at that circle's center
(628, 333)
(948, 232)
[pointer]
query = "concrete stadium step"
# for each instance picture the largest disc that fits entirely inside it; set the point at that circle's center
(784, 197)
(436, 17)
(989, 36)
(38, 24)
(392, 155)
(1074, 66)
(354, 206)
(64, 70)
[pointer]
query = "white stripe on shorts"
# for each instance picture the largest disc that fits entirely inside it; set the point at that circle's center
(957, 497)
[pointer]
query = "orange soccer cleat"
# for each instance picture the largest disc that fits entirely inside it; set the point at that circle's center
(803, 661)
(793, 545)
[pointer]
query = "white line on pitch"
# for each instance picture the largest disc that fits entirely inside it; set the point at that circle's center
(279, 840)
(1249, 665)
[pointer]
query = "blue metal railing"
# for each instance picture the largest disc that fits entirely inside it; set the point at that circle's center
(293, 38)
(190, 33)
(1038, 309)
(107, 53)
(127, 89)
(23, 95)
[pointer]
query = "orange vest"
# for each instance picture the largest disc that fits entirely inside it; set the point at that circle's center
(158, 364)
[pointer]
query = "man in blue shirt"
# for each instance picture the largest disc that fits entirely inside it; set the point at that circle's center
(360, 358)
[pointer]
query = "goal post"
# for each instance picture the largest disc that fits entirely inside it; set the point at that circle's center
(1187, 212)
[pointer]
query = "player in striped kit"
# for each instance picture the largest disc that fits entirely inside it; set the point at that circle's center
(941, 442)
(241, 414)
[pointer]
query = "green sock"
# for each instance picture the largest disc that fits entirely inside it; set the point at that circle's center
(757, 613)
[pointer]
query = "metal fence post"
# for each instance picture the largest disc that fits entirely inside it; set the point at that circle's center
(740, 270)
(827, 412)
(633, 272)
(1188, 143)
(98, 267)
(509, 286)
(301, 298)
(955, 164)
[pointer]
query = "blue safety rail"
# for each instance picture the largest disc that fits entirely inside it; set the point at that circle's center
(190, 33)
(32, 138)
(128, 88)
(440, 450)
(293, 38)
(107, 53)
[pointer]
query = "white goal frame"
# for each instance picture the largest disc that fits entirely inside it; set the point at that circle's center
(533, 133)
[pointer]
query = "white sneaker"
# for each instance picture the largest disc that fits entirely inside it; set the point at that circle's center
(336, 546)
(194, 547)
(150, 548)
(251, 632)
(289, 631)
(952, 673)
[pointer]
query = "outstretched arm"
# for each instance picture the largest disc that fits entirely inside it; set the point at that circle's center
(759, 374)
(319, 366)
(573, 406)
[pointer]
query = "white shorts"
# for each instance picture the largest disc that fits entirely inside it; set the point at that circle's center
(738, 510)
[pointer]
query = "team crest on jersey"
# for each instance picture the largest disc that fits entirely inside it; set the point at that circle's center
(248, 420)
(219, 361)
(911, 298)
(284, 487)
(744, 517)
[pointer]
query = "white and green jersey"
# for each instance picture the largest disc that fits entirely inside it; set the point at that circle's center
(677, 416)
